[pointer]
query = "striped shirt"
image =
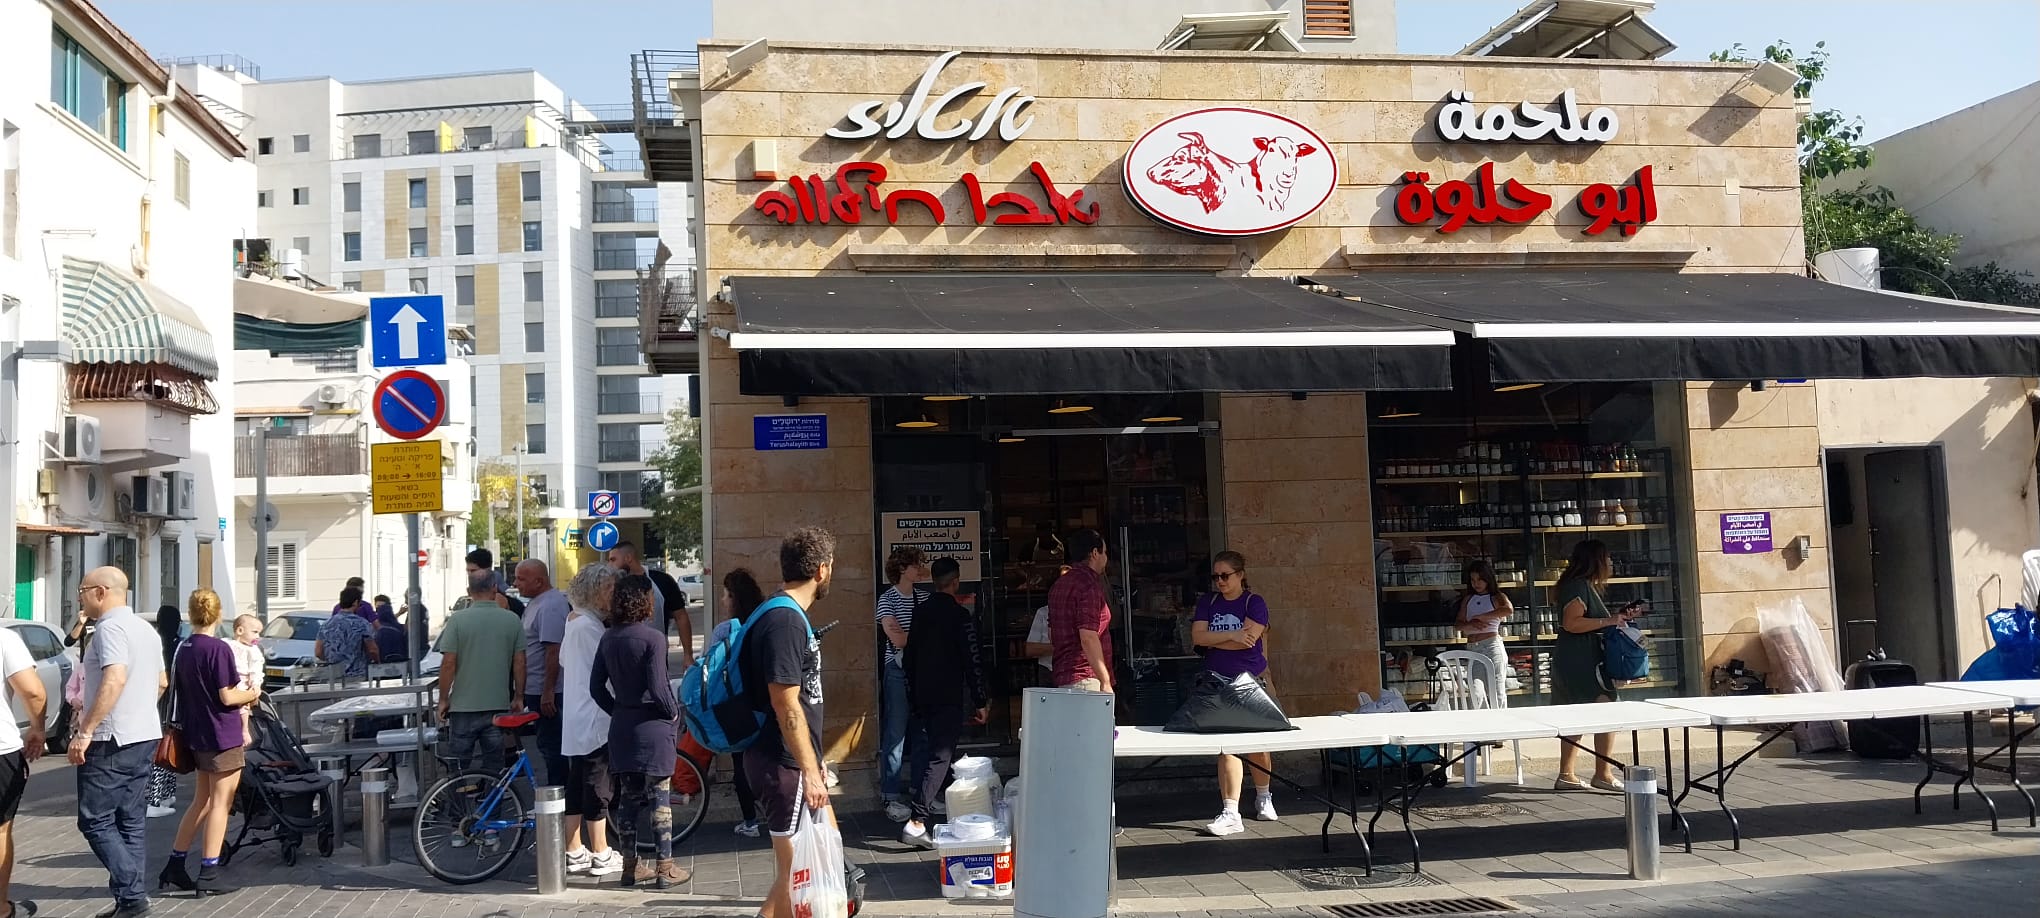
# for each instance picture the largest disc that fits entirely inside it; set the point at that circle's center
(901, 609)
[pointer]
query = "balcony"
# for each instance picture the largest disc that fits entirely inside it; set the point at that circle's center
(625, 212)
(628, 450)
(661, 127)
(667, 316)
(303, 456)
(618, 260)
(628, 161)
(628, 403)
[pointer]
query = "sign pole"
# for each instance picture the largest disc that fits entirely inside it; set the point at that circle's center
(262, 523)
(414, 597)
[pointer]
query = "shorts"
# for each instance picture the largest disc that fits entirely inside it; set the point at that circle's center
(1087, 685)
(779, 793)
(590, 789)
(214, 761)
(13, 782)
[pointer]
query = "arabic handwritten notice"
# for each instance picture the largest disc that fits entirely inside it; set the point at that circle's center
(1481, 202)
(941, 534)
(1462, 119)
(1746, 533)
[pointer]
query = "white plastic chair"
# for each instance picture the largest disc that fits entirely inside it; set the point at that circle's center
(1467, 681)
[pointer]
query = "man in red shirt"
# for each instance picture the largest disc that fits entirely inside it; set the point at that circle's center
(1079, 620)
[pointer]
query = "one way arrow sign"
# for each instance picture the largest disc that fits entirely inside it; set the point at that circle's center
(407, 331)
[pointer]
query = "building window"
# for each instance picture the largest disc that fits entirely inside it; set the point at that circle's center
(265, 146)
(463, 290)
(534, 236)
(632, 488)
(422, 142)
(350, 197)
(300, 197)
(284, 580)
(301, 143)
(1328, 18)
(120, 553)
(463, 190)
(265, 199)
(367, 146)
(417, 191)
(616, 347)
(617, 443)
(616, 299)
(350, 282)
(303, 244)
(534, 337)
(182, 178)
(476, 138)
(417, 242)
(534, 387)
(534, 439)
(531, 192)
(616, 252)
(83, 86)
(419, 284)
(350, 246)
(463, 239)
(534, 286)
(170, 571)
(619, 395)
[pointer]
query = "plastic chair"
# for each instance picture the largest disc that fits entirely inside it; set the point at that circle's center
(1467, 681)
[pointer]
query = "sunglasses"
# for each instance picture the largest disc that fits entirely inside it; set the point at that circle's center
(1222, 576)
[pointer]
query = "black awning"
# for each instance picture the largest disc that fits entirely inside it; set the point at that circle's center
(1018, 334)
(1583, 326)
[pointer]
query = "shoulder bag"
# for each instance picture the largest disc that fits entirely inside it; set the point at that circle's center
(171, 751)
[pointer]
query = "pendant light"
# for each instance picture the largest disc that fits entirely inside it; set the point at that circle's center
(1395, 413)
(1162, 419)
(1065, 406)
(920, 423)
(1012, 439)
(1519, 387)
(945, 398)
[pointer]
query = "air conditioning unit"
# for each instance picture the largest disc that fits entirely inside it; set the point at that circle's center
(151, 496)
(183, 496)
(81, 438)
(330, 394)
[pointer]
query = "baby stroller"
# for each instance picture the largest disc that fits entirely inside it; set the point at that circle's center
(282, 798)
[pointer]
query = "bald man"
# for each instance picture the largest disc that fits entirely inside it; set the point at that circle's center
(115, 739)
(545, 626)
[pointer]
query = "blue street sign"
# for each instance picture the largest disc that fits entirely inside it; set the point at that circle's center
(604, 503)
(603, 536)
(407, 331)
(789, 431)
(408, 404)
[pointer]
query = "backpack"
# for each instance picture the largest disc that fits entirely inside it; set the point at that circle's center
(1625, 654)
(714, 702)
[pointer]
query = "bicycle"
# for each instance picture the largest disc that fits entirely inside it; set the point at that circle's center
(469, 826)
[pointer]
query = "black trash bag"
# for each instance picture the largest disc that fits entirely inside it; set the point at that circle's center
(1217, 705)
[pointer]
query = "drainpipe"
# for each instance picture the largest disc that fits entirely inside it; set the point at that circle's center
(161, 109)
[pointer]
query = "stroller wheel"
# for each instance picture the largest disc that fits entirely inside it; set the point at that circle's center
(325, 844)
(290, 850)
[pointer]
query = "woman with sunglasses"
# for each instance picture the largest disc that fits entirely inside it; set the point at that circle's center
(1231, 626)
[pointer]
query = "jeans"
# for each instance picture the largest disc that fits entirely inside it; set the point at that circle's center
(549, 742)
(892, 732)
(935, 752)
(477, 743)
(113, 788)
(641, 799)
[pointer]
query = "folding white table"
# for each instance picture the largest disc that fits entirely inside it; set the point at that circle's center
(2012, 695)
(1778, 713)
(1468, 728)
(1632, 717)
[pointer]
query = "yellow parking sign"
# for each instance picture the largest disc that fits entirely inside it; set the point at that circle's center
(406, 477)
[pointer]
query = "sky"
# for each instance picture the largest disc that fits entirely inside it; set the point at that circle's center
(1895, 63)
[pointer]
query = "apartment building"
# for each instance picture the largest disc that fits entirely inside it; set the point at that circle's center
(120, 199)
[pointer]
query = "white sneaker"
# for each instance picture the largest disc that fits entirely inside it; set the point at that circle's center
(898, 812)
(606, 863)
(158, 812)
(915, 835)
(1226, 824)
(748, 828)
(1265, 810)
(578, 861)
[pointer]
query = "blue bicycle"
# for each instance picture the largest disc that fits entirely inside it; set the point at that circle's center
(470, 826)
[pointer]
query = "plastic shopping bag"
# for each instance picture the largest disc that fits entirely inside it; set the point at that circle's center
(1220, 705)
(2015, 647)
(685, 780)
(818, 887)
(1802, 663)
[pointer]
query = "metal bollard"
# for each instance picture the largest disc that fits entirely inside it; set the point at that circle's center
(375, 812)
(550, 808)
(1640, 812)
(336, 769)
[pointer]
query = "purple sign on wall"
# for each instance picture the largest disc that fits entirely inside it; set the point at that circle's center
(1746, 533)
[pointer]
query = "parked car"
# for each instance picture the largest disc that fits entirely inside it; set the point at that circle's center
(288, 643)
(690, 586)
(53, 664)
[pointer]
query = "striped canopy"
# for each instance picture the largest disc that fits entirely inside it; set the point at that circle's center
(110, 317)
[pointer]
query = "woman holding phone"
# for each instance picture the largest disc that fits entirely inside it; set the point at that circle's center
(1576, 662)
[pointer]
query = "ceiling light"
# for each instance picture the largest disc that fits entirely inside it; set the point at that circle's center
(1518, 387)
(1394, 413)
(1012, 439)
(945, 398)
(1066, 407)
(1162, 419)
(921, 423)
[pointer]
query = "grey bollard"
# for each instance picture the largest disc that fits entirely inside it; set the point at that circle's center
(1640, 795)
(336, 769)
(1065, 864)
(375, 813)
(550, 810)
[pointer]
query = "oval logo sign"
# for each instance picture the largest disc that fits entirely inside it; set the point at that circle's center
(1230, 171)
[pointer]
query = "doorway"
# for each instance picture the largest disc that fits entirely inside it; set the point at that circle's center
(1888, 536)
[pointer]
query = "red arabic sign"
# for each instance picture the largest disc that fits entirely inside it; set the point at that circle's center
(855, 190)
(1479, 201)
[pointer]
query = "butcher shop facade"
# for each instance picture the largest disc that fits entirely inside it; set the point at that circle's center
(1363, 320)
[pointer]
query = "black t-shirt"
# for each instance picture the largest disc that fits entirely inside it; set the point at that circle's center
(672, 601)
(778, 650)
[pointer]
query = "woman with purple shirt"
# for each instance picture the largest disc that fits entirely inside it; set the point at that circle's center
(1231, 627)
(207, 699)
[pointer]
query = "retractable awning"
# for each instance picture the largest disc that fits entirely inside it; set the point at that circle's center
(111, 317)
(1584, 326)
(1017, 334)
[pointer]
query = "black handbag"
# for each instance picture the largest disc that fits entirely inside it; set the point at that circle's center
(1219, 705)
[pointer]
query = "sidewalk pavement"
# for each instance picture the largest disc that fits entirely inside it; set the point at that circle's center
(1820, 836)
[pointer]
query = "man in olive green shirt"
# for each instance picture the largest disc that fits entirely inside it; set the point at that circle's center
(481, 674)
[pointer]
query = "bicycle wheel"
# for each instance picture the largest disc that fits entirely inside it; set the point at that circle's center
(688, 812)
(448, 836)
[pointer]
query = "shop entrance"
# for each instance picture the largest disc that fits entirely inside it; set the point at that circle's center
(1888, 528)
(1139, 471)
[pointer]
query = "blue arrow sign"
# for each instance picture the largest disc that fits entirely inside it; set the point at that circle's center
(409, 404)
(603, 536)
(407, 331)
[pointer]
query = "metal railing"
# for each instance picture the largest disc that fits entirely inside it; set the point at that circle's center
(311, 454)
(618, 260)
(667, 305)
(619, 355)
(225, 63)
(630, 161)
(627, 403)
(616, 307)
(628, 450)
(626, 212)
(651, 101)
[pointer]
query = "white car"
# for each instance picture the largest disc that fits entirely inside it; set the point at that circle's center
(690, 587)
(287, 643)
(53, 664)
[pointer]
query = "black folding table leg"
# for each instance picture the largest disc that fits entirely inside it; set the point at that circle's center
(1969, 767)
(1668, 788)
(1927, 757)
(2012, 719)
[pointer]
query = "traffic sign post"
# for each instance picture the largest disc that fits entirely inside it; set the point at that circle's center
(603, 536)
(604, 503)
(406, 477)
(407, 331)
(408, 404)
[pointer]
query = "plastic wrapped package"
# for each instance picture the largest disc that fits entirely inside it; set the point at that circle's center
(1219, 705)
(1800, 662)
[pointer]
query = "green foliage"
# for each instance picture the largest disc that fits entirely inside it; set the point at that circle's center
(496, 483)
(1989, 283)
(676, 517)
(1915, 258)
(1830, 143)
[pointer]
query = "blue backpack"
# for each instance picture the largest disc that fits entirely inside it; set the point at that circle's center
(1625, 656)
(714, 702)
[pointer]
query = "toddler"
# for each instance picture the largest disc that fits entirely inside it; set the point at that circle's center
(248, 660)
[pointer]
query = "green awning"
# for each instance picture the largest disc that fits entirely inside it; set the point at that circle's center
(111, 317)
